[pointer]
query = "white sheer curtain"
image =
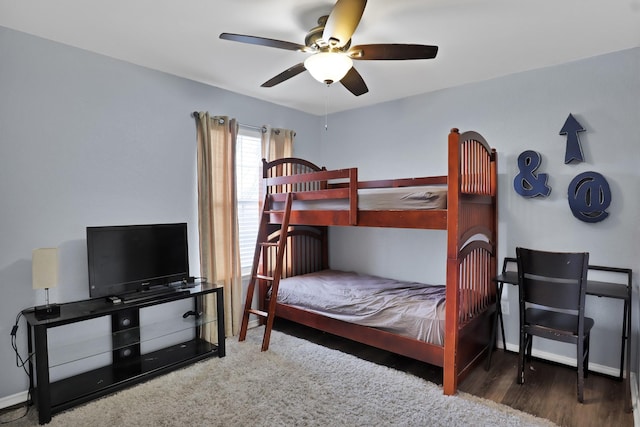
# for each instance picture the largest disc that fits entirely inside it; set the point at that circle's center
(218, 217)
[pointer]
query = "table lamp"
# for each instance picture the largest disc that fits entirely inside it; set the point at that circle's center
(45, 276)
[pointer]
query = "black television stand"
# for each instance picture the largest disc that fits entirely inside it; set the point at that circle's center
(128, 365)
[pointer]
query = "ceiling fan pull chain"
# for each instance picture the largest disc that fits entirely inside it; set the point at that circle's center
(326, 108)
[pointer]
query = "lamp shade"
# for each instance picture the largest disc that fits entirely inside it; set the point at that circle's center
(328, 67)
(45, 268)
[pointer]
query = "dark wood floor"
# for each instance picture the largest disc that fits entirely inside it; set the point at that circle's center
(549, 391)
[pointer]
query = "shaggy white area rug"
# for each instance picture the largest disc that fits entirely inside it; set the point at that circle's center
(295, 383)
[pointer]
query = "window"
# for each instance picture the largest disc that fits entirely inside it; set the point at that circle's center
(248, 167)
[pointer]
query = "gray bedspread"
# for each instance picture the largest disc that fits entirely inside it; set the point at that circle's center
(411, 309)
(399, 198)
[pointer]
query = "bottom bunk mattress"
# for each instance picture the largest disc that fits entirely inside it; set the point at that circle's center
(415, 310)
(396, 198)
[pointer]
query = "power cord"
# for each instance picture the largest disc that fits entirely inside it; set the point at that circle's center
(13, 420)
(21, 364)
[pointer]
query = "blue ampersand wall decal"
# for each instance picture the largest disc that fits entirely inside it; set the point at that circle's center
(527, 183)
(589, 197)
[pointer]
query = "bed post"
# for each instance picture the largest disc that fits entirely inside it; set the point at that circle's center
(353, 196)
(494, 191)
(450, 374)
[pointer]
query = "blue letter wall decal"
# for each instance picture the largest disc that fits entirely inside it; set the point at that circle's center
(589, 196)
(574, 150)
(527, 183)
(588, 193)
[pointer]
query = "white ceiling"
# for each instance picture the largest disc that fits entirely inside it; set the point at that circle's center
(478, 40)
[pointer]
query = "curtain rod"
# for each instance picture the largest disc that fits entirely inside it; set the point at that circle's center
(262, 129)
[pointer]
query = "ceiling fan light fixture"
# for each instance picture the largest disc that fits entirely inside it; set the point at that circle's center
(328, 67)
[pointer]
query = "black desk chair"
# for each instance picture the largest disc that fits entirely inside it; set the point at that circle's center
(555, 283)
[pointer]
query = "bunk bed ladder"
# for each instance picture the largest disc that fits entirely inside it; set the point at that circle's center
(274, 280)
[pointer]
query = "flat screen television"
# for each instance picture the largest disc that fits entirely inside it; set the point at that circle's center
(129, 258)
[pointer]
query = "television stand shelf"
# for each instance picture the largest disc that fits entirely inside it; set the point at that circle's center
(128, 365)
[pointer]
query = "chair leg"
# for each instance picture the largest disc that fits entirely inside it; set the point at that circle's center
(521, 353)
(586, 356)
(580, 364)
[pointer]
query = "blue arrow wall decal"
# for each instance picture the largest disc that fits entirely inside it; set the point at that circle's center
(574, 150)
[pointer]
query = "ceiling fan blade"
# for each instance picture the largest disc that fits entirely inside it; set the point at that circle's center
(392, 51)
(354, 82)
(285, 75)
(343, 21)
(262, 41)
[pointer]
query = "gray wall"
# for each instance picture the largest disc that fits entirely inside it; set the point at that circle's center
(519, 112)
(88, 140)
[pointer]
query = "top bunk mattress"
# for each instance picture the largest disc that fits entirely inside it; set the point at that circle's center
(399, 198)
(411, 309)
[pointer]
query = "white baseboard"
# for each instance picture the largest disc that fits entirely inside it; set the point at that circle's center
(569, 361)
(14, 399)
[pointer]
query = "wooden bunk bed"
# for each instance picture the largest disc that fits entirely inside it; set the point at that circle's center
(469, 217)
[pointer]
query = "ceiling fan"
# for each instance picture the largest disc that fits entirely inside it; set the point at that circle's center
(332, 53)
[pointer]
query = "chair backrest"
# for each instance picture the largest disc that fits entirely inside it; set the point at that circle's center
(552, 279)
